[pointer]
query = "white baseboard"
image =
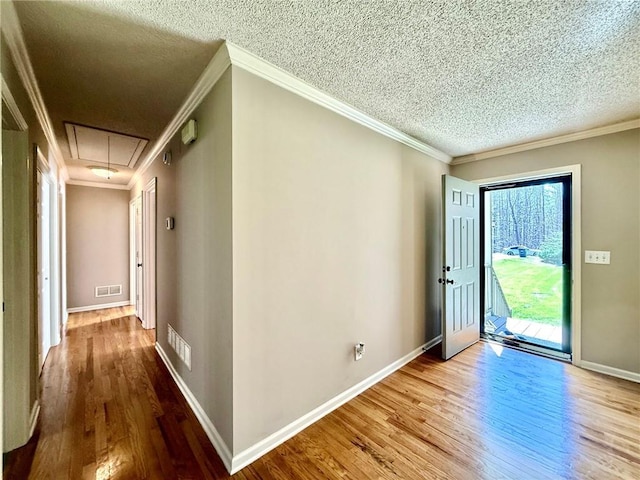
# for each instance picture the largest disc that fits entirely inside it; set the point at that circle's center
(235, 463)
(89, 308)
(208, 426)
(33, 418)
(272, 441)
(614, 372)
(431, 343)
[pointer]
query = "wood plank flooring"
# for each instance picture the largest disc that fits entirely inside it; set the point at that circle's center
(110, 410)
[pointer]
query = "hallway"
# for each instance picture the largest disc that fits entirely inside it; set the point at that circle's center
(111, 411)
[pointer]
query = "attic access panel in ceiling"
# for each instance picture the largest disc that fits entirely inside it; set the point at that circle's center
(102, 146)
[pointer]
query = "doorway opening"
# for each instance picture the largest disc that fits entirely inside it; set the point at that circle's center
(527, 257)
(142, 244)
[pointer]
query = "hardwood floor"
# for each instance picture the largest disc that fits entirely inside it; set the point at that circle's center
(110, 410)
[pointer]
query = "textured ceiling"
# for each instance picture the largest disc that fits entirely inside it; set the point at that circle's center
(107, 72)
(461, 76)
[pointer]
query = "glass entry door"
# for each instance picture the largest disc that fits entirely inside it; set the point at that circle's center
(527, 264)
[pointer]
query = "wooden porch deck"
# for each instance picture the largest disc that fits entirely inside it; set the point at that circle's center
(507, 327)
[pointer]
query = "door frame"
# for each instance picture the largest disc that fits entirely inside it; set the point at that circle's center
(576, 241)
(137, 256)
(149, 233)
(43, 219)
(53, 323)
(133, 291)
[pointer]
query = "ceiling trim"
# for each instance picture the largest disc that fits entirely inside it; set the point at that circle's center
(229, 54)
(17, 46)
(261, 68)
(113, 186)
(12, 106)
(547, 142)
(211, 74)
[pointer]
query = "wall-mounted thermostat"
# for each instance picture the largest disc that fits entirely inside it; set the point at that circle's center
(170, 223)
(189, 132)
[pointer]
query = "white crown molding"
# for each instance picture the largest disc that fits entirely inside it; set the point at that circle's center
(208, 426)
(547, 142)
(15, 42)
(229, 54)
(261, 68)
(113, 186)
(12, 106)
(211, 74)
(607, 370)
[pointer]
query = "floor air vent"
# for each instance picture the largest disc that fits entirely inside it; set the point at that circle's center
(109, 291)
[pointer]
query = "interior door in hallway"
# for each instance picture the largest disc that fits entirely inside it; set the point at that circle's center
(44, 268)
(139, 270)
(460, 278)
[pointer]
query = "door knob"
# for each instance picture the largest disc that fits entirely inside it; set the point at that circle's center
(139, 264)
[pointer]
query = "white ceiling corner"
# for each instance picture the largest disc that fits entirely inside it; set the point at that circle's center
(230, 54)
(109, 185)
(547, 142)
(207, 79)
(262, 68)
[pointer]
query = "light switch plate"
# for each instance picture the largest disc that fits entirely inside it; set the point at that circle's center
(601, 257)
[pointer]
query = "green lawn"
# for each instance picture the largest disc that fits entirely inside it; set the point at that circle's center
(533, 289)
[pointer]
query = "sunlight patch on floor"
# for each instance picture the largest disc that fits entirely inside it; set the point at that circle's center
(497, 349)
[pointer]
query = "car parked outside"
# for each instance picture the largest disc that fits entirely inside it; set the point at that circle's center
(520, 250)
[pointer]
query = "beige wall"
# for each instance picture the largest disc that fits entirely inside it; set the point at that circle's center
(610, 221)
(330, 239)
(194, 260)
(166, 280)
(97, 244)
(336, 233)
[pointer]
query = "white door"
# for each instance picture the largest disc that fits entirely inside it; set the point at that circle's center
(44, 267)
(139, 271)
(461, 271)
